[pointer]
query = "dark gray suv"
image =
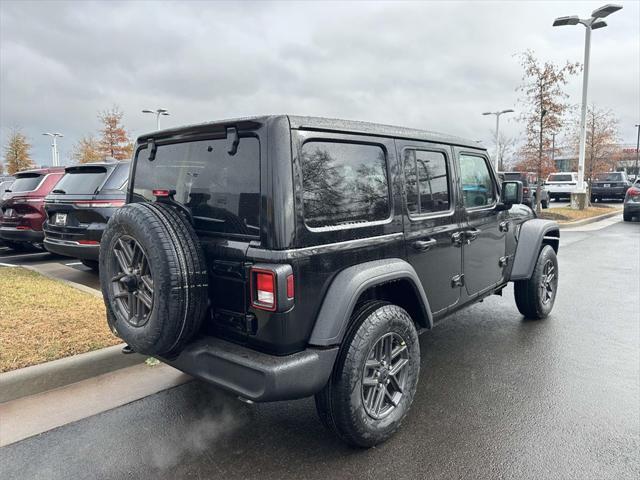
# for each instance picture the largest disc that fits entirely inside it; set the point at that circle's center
(280, 257)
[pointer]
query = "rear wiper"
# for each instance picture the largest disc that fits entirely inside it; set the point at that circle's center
(57, 190)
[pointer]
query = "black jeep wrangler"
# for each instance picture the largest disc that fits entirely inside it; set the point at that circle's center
(280, 257)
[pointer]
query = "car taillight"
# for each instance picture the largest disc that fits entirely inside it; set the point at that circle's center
(263, 289)
(99, 203)
(290, 287)
(634, 191)
(88, 242)
(525, 190)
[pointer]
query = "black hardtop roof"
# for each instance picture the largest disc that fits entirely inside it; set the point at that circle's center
(322, 124)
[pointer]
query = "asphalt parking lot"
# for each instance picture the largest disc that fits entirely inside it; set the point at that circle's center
(499, 397)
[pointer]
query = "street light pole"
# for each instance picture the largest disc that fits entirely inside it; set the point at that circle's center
(553, 149)
(497, 114)
(638, 151)
(55, 158)
(158, 113)
(594, 22)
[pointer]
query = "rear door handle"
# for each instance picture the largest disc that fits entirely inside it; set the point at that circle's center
(424, 245)
(471, 235)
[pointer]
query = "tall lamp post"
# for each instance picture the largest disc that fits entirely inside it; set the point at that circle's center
(638, 151)
(55, 159)
(158, 113)
(497, 114)
(593, 23)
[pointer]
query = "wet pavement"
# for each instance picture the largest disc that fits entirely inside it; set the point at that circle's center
(499, 397)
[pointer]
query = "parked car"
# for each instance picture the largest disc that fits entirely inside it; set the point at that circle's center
(609, 185)
(23, 207)
(562, 184)
(280, 257)
(80, 206)
(631, 206)
(529, 188)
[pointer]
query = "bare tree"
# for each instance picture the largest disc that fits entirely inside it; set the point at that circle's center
(602, 137)
(17, 153)
(543, 103)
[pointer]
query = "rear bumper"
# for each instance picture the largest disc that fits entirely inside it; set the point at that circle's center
(617, 192)
(633, 208)
(69, 248)
(13, 234)
(255, 375)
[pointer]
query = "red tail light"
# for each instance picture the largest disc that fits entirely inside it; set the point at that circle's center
(263, 289)
(22, 227)
(633, 191)
(161, 193)
(290, 288)
(525, 190)
(88, 242)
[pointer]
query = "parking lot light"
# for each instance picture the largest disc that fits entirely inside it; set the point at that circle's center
(592, 23)
(55, 158)
(497, 114)
(158, 113)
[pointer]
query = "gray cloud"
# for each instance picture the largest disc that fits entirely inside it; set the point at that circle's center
(433, 65)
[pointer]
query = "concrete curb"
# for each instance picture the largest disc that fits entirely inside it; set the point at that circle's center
(65, 371)
(587, 221)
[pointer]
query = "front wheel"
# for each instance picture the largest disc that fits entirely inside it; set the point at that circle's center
(375, 377)
(535, 297)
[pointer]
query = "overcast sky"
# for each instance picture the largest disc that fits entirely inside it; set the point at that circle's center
(432, 65)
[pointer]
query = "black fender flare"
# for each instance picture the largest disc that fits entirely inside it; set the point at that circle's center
(340, 300)
(532, 234)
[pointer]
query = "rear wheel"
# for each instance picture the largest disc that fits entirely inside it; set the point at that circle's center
(535, 297)
(92, 264)
(375, 377)
(20, 246)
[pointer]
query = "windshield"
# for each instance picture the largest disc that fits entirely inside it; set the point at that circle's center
(221, 190)
(81, 181)
(557, 177)
(609, 177)
(26, 183)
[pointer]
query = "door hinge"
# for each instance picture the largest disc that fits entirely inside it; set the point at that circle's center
(504, 226)
(503, 262)
(457, 281)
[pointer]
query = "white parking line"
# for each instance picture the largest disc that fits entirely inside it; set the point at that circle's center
(7, 265)
(73, 263)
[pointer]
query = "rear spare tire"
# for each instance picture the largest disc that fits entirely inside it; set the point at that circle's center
(153, 278)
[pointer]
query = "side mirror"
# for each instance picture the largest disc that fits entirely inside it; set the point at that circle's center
(511, 195)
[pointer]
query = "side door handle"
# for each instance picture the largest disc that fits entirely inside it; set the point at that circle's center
(424, 245)
(471, 235)
(504, 226)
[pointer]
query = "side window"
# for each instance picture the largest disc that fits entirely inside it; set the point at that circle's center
(118, 178)
(343, 183)
(477, 183)
(426, 180)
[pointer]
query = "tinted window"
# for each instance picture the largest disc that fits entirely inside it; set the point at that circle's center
(81, 181)
(427, 184)
(343, 183)
(26, 183)
(609, 177)
(5, 186)
(222, 190)
(477, 184)
(555, 177)
(118, 178)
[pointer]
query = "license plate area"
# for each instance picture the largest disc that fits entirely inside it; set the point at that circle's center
(606, 185)
(60, 219)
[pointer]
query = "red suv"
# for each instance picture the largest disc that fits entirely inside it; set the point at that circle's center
(22, 207)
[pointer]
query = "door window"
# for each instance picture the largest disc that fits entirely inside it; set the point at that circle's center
(427, 183)
(477, 182)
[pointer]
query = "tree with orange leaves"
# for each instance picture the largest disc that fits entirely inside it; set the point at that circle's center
(114, 141)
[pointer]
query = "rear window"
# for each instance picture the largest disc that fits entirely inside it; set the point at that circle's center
(221, 190)
(81, 181)
(556, 177)
(118, 178)
(26, 183)
(343, 184)
(609, 177)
